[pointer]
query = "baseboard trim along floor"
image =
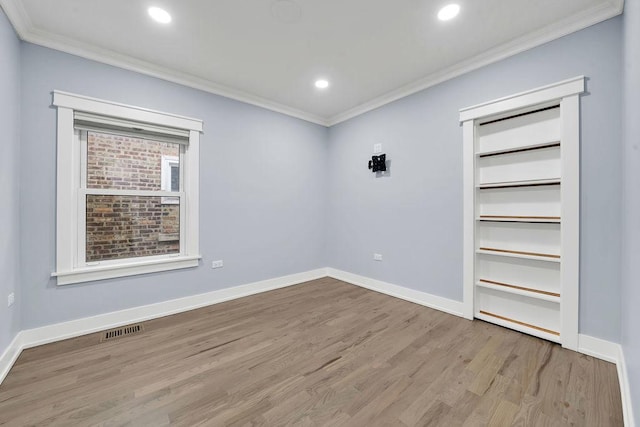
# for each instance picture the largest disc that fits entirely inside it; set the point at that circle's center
(432, 301)
(60, 331)
(601, 349)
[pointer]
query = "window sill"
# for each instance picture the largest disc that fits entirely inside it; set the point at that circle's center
(100, 272)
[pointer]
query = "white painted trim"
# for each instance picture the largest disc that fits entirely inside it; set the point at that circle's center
(446, 305)
(130, 268)
(625, 391)
(10, 355)
(595, 347)
(25, 29)
(469, 218)
(117, 192)
(67, 206)
(566, 94)
(74, 328)
(88, 325)
(17, 15)
(540, 95)
(133, 113)
(570, 213)
(611, 352)
(599, 13)
(71, 266)
(598, 348)
(190, 234)
(84, 50)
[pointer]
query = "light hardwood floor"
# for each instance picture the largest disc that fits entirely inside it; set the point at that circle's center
(321, 353)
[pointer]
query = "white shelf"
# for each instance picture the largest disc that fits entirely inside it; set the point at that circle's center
(515, 218)
(520, 254)
(521, 212)
(518, 149)
(520, 290)
(515, 324)
(528, 183)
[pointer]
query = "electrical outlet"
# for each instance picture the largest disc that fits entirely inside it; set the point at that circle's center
(217, 264)
(11, 299)
(377, 148)
(377, 257)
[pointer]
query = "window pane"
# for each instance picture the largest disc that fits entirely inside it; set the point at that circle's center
(131, 226)
(126, 163)
(175, 177)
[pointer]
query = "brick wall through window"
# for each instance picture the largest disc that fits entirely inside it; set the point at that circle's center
(128, 226)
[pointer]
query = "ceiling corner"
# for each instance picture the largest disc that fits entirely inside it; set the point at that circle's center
(24, 28)
(547, 34)
(17, 16)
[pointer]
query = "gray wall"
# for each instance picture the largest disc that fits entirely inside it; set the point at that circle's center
(262, 180)
(9, 179)
(631, 202)
(414, 216)
(266, 179)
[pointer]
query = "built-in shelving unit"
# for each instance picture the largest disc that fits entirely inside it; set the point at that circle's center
(521, 211)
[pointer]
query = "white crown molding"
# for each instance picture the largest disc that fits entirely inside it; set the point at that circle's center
(17, 15)
(549, 33)
(25, 29)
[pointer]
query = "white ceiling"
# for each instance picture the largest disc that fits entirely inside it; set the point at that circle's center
(269, 52)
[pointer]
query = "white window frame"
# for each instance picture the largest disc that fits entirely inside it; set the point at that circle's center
(165, 177)
(70, 222)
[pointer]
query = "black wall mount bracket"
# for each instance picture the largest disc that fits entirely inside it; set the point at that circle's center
(378, 163)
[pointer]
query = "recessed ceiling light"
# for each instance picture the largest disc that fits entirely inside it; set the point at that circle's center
(450, 11)
(322, 84)
(159, 15)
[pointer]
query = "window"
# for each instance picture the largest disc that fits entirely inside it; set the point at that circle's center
(127, 200)
(170, 177)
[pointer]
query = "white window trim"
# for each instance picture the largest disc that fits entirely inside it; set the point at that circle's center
(68, 270)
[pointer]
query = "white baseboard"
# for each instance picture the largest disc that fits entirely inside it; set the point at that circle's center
(595, 347)
(599, 348)
(432, 301)
(625, 391)
(10, 356)
(611, 352)
(74, 328)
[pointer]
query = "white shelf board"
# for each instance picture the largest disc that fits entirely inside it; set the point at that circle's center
(522, 292)
(518, 327)
(531, 182)
(515, 255)
(519, 148)
(498, 218)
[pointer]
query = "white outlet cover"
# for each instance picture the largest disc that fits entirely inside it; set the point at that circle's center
(377, 148)
(377, 257)
(11, 298)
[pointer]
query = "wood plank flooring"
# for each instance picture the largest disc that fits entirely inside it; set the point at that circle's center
(323, 353)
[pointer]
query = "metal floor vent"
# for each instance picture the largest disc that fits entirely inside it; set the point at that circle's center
(121, 332)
